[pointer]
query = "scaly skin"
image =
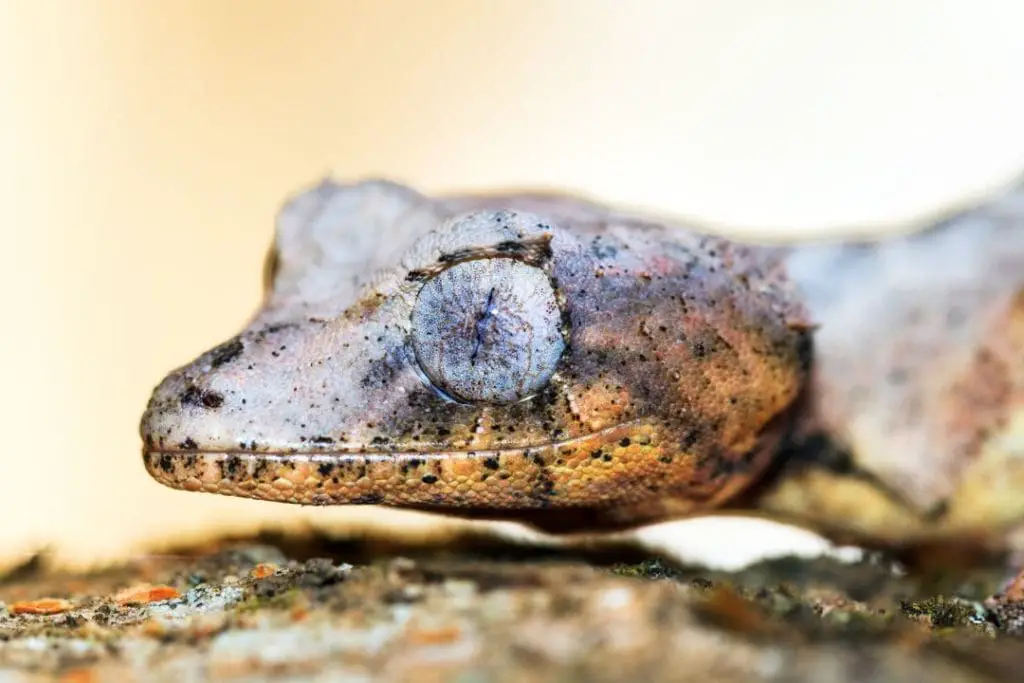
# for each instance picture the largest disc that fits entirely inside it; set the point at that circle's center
(913, 428)
(687, 371)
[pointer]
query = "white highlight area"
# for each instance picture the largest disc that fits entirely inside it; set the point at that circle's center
(719, 542)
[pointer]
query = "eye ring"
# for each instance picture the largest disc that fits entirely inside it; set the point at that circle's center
(488, 330)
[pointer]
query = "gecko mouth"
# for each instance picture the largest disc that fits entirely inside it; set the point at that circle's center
(623, 464)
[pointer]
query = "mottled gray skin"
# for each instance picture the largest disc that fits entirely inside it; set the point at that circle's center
(918, 382)
(687, 364)
(682, 354)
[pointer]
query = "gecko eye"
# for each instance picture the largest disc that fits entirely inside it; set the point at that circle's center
(488, 330)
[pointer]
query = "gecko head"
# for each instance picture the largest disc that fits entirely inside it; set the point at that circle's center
(497, 361)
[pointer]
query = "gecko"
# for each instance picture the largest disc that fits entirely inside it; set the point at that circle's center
(553, 360)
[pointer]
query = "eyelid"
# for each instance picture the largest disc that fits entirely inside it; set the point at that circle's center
(533, 250)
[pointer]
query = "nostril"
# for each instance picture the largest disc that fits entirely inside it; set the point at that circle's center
(194, 396)
(211, 399)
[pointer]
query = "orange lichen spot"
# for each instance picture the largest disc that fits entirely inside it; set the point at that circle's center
(154, 628)
(145, 593)
(727, 608)
(41, 606)
(433, 636)
(207, 625)
(262, 570)
(78, 676)
(1014, 591)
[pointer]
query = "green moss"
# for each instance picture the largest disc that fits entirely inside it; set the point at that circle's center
(647, 569)
(279, 601)
(942, 612)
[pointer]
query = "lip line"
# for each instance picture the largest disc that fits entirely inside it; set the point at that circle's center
(394, 453)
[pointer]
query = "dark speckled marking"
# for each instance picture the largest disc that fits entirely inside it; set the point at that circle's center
(276, 327)
(232, 468)
(805, 350)
(226, 352)
(510, 248)
(544, 488)
(602, 250)
(261, 467)
(416, 276)
(192, 396)
(455, 256)
(692, 437)
(368, 499)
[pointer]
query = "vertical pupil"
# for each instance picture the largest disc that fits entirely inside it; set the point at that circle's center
(486, 320)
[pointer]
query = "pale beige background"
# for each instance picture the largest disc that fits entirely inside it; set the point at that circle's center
(144, 148)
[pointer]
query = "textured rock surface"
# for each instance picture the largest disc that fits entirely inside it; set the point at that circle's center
(277, 609)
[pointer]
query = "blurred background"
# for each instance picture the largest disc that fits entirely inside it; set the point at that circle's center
(146, 146)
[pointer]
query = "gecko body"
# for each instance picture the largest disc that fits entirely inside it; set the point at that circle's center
(550, 359)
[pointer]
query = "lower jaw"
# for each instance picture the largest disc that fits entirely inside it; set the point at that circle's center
(619, 468)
